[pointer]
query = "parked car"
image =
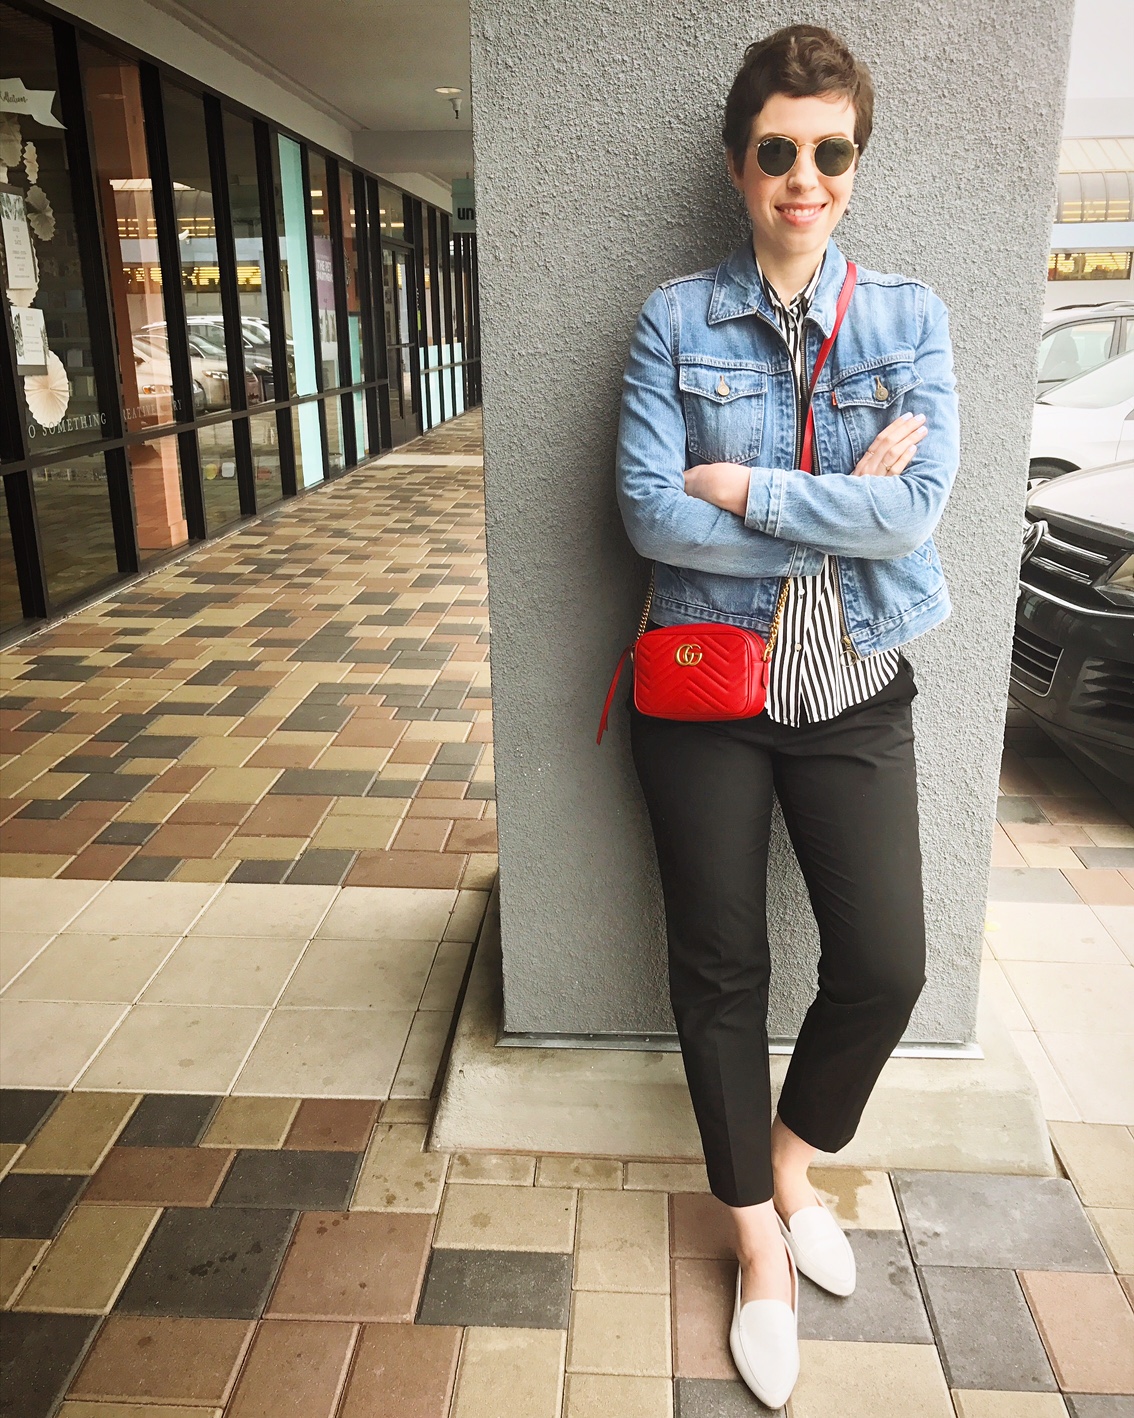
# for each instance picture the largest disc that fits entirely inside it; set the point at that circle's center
(208, 363)
(1077, 338)
(255, 339)
(1073, 648)
(1084, 423)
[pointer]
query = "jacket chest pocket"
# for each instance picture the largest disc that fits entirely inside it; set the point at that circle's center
(724, 411)
(869, 399)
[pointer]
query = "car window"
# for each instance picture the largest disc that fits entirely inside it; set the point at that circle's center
(1074, 349)
(1102, 388)
(1127, 334)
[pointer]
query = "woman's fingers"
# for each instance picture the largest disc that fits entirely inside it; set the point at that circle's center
(892, 449)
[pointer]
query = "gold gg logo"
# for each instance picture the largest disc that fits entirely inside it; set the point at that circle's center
(688, 655)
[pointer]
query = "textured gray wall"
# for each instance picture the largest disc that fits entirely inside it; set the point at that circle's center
(599, 174)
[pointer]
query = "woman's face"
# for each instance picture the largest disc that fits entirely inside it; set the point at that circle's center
(795, 214)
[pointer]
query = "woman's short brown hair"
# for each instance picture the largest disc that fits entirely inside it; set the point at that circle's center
(800, 61)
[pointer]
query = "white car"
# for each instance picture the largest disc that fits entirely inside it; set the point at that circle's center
(1085, 422)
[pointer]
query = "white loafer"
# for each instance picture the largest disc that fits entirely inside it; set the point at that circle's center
(764, 1339)
(820, 1249)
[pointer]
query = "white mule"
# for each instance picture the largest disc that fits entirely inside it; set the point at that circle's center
(820, 1248)
(764, 1340)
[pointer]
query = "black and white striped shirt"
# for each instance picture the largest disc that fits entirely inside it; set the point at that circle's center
(812, 674)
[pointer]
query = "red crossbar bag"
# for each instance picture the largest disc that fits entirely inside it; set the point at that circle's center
(710, 670)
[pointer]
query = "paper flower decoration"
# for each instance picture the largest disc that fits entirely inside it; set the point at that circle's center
(11, 145)
(31, 162)
(47, 395)
(41, 218)
(22, 295)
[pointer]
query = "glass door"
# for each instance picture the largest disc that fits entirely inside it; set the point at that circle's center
(399, 347)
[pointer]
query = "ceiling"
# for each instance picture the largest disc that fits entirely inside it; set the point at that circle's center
(372, 64)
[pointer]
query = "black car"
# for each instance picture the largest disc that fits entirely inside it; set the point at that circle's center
(1073, 650)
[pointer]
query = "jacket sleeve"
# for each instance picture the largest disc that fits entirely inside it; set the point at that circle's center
(661, 520)
(875, 517)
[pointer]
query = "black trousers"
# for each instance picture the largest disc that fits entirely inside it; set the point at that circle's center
(848, 792)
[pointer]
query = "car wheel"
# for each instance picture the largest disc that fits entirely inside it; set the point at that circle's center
(1042, 472)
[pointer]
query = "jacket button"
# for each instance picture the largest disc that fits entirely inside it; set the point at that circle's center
(722, 387)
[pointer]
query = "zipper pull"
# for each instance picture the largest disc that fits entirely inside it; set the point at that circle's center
(848, 648)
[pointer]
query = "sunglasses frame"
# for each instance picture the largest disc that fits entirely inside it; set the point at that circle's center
(799, 148)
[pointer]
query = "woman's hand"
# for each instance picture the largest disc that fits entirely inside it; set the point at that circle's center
(892, 450)
(725, 485)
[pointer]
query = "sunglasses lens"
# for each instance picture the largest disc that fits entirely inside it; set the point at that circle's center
(833, 156)
(776, 156)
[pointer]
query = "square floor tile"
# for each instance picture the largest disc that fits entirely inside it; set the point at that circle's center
(78, 1134)
(326, 1053)
(354, 974)
(402, 1371)
(91, 1257)
(48, 1045)
(218, 1262)
(23, 1110)
(1023, 930)
(31, 905)
(506, 1218)
(1096, 1069)
(1099, 1159)
(622, 1242)
(525, 1364)
(176, 1047)
(1087, 1327)
(362, 1266)
(160, 1176)
(717, 1398)
(1030, 884)
(34, 1207)
(333, 1124)
(985, 1330)
(225, 970)
(389, 913)
(17, 949)
(598, 1395)
(886, 1307)
(1115, 1228)
(1074, 998)
(858, 1198)
(295, 1369)
(421, 1058)
(251, 1122)
(169, 1120)
(973, 1219)
(492, 1168)
(17, 1259)
(41, 1352)
(578, 1172)
(167, 907)
(280, 913)
(666, 1177)
(163, 1361)
(865, 1380)
(105, 968)
(1098, 1405)
(618, 1334)
(397, 1174)
(528, 1289)
(302, 1181)
(700, 1226)
(996, 1403)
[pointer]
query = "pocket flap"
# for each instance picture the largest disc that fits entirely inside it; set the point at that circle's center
(720, 385)
(877, 387)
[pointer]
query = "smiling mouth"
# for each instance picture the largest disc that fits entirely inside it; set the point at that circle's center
(802, 211)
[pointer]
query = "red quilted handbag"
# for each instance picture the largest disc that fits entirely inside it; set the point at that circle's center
(710, 670)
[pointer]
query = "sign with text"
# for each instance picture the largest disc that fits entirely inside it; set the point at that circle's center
(464, 205)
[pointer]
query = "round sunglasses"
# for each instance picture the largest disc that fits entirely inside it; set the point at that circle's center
(776, 155)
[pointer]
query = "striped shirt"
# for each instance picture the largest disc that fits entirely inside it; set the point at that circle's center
(812, 675)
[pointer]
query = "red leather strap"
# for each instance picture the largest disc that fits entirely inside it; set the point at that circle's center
(845, 294)
(610, 694)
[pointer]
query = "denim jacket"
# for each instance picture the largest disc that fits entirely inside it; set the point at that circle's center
(709, 380)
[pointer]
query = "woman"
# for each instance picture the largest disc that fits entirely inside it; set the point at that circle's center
(711, 489)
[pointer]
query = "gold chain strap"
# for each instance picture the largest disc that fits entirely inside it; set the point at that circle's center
(773, 633)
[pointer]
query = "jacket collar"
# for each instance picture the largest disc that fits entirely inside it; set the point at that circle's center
(738, 290)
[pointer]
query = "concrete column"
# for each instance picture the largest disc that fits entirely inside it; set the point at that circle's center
(599, 174)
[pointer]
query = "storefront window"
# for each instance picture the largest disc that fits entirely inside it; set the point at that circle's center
(114, 102)
(391, 213)
(334, 412)
(159, 507)
(42, 276)
(308, 444)
(265, 460)
(218, 469)
(248, 232)
(11, 611)
(1089, 266)
(295, 272)
(324, 270)
(76, 538)
(197, 244)
(350, 266)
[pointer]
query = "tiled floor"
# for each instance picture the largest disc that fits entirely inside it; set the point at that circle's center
(215, 1198)
(306, 700)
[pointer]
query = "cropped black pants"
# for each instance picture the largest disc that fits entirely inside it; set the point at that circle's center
(848, 792)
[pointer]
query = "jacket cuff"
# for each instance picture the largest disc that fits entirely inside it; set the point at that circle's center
(764, 493)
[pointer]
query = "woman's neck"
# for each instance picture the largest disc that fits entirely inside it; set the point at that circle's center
(787, 272)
